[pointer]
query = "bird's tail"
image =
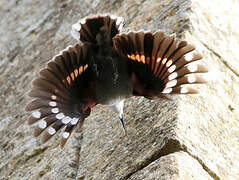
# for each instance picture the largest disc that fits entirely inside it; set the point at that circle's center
(97, 29)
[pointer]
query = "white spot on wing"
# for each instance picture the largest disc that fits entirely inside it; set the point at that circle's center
(167, 90)
(85, 67)
(52, 103)
(74, 121)
(172, 76)
(36, 114)
(172, 68)
(66, 120)
(164, 60)
(188, 56)
(65, 135)
(51, 130)
(42, 124)
(191, 79)
(53, 97)
(60, 116)
(169, 63)
(184, 90)
(192, 67)
(171, 83)
(55, 110)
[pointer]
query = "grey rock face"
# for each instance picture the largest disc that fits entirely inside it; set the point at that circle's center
(191, 137)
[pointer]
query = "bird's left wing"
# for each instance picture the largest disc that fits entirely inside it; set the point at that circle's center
(63, 94)
(160, 64)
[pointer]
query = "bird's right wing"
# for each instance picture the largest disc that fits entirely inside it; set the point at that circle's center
(160, 63)
(63, 94)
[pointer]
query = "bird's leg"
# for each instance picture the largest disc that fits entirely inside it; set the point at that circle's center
(123, 124)
(119, 109)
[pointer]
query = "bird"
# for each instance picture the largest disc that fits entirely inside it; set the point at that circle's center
(106, 66)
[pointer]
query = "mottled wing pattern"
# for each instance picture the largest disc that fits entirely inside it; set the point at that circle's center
(58, 91)
(87, 29)
(161, 63)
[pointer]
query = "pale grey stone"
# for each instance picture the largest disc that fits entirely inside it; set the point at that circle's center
(203, 130)
(178, 165)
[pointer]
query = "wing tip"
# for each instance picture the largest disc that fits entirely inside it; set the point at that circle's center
(64, 139)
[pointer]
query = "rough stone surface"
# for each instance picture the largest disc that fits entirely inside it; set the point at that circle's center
(178, 165)
(194, 137)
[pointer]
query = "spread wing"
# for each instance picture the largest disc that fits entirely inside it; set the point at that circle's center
(63, 94)
(160, 64)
